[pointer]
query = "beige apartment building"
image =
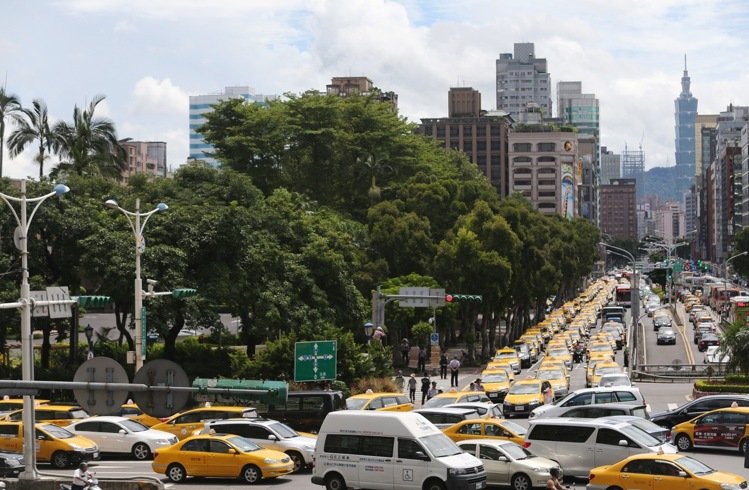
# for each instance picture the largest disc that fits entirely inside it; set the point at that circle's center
(144, 157)
(544, 167)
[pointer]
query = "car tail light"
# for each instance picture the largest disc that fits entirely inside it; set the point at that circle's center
(590, 477)
(526, 444)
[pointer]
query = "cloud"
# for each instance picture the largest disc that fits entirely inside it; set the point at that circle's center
(124, 26)
(152, 96)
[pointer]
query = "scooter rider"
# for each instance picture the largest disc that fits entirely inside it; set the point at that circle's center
(81, 477)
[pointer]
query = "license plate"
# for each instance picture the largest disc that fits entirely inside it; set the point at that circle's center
(493, 393)
(518, 409)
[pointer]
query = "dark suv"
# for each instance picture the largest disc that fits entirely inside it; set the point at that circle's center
(697, 407)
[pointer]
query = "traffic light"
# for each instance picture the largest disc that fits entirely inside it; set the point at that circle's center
(94, 301)
(463, 298)
(180, 293)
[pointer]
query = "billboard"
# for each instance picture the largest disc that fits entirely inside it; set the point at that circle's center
(568, 191)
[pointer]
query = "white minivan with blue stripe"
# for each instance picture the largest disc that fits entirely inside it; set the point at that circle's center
(391, 450)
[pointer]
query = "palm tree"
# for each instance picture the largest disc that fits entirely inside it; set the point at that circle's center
(33, 127)
(89, 145)
(10, 108)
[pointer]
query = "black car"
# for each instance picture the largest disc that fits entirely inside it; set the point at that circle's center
(304, 410)
(697, 407)
(11, 465)
(666, 336)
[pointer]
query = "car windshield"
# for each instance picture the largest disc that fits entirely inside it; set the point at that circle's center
(516, 429)
(244, 445)
(600, 347)
(356, 403)
(516, 452)
(56, 431)
(640, 436)
(550, 374)
(666, 331)
(283, 430)
(600, 370)
(506, 355)
(440, 445)
(133, 426)
(558, 352)
(78, 413)
(525, 389)
(494, 378)
(615, 380)
(694, 466)
(441, 401)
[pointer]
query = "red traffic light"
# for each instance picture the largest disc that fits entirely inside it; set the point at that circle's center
(449, 298)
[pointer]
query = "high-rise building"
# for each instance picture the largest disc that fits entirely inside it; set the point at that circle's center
(669, 222)
(578, 109)
(685, 115)
(702, 121)
(202, 104)
(544, 167)
(144, 157)
(522, 78)
(611, 166)
(481, 135)
(618, 213)
(633, 167)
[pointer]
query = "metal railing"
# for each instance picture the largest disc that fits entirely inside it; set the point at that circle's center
(676, 372)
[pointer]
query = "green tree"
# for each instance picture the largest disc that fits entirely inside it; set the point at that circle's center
(89, 144)
(10, 109)
(736, 344)
(33, 125)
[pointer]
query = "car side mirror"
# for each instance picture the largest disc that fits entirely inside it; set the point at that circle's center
(232, 451)
(683, 474)
(502, 458)
(421, 455)
(623, 443)
(41, 438)
(272, 437)
(122, 432)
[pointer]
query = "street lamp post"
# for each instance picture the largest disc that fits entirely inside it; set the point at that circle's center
(669, 250)
(140, 245)
(635, 297)
(27, 344)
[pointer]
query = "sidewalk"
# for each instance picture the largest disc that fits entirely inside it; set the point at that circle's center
(465, 376)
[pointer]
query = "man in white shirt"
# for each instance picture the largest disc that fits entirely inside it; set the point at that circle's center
(81, 476)
(454, 368)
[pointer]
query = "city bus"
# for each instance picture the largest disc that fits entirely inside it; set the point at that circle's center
(623, 295)
(720, 294)
(739, 310)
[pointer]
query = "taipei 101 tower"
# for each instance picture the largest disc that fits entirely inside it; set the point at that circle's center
(685, 115)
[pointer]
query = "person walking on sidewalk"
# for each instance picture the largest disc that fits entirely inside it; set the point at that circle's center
(424, 388)
(405, 348)
(443, 366)
(454, 370)
(412, 388)
(421, 366)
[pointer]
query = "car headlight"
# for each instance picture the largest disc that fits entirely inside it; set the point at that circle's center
(163, 442)
(76, 447)
(534, 402)
(730, 486)
(270, 461)
(457, 471)
(542, 471)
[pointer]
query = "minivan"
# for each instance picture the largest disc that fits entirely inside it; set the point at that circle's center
(579, 445)
(386, 450)
(591, 396)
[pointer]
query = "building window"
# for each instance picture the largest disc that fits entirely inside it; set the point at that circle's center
(521, 160)
(441, 132)
(467, 130)
(519, 171)
(453, 131)
(481, 146)
(547, 147)
(521, 147)
(480, 131)
(546, 159)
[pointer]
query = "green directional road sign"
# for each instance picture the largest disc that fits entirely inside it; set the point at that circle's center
(315, 361)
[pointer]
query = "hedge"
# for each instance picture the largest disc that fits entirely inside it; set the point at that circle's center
(708, 386)
(738, 379)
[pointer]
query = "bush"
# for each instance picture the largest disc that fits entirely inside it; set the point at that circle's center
(377, 385)
(713, 387)
(421, 332)
(738, 379)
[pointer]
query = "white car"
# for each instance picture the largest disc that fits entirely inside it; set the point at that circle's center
(269, 434)
(507, 463)
(615, 379)
(714, 356)
(122, 435)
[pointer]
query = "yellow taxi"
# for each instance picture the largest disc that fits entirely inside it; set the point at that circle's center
(442, 399)
(533, 346)
(62, 415)
(184, 424)
(389, 402)
(595, 348)
(557, 378)
(221, 456)
(525, 395)
(601, 368)
(8, 404)
(54, 444)
(501, 366)
(508, 353)
(486, 428)
(496, 384)
(592, 362)
(662, 471)
(133, 412)
(555, 364)
(560, 353)
(725, 428)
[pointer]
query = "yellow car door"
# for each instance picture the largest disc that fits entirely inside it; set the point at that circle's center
(10, 437)
(222, 459)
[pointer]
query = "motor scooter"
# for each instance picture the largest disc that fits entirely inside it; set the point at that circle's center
(91, 484)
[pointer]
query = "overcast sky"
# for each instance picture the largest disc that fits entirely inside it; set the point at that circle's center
(148, 56)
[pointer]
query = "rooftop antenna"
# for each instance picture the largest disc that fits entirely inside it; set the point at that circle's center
(685, 61)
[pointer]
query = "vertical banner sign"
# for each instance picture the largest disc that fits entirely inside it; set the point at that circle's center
(568, 192)
(143, 330)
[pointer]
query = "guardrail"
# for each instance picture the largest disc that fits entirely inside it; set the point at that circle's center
(677, 373)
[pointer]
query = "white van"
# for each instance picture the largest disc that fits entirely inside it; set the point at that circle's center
(390, 450)
(579, 445)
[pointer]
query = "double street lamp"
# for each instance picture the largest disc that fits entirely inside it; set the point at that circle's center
(134, 218)
(27, 345)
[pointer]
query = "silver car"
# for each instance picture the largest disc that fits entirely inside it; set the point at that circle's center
(507, 463)
(666, 335)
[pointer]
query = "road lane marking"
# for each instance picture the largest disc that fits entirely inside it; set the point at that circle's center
(671, 406)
